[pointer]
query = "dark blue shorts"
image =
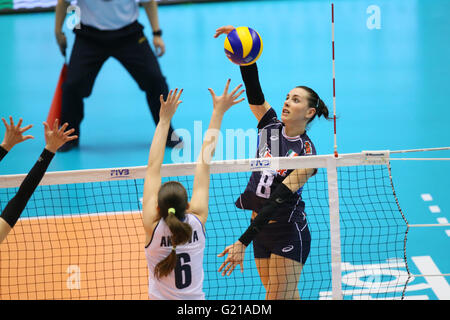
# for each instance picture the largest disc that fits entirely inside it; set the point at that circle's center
(289, 240)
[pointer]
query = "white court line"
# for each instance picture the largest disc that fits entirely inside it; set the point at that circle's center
(430, 225)
(426, 197)
(82, 215)
(369, 297)
(438, 284)
(368, 291)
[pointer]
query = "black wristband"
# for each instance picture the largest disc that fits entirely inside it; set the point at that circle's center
(252, 86)
(46, 155)
(3, 152)
(157, 33)
(249, 235)
(259, 222)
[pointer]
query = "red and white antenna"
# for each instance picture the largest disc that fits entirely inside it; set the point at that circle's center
(334, 81)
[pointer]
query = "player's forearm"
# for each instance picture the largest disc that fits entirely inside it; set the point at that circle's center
(297, 178)
(200, 195)
(17, 204)
(5, 228)
(60, 14)
(155, 160)
(282, 194)
(156, 155)
(151, 9)
(211, 137)
(255, 97)
(208, 149)
(253, 89)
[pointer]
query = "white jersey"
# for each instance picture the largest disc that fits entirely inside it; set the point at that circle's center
(186, 280)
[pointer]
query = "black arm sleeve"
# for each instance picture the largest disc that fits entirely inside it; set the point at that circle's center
(252, 86)
(3, 153)
(280, 195)
(16, 205)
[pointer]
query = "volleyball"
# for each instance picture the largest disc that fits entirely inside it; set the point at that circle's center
(243, 46)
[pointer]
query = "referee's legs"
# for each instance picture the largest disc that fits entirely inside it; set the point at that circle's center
(140, 61)
(86, 59)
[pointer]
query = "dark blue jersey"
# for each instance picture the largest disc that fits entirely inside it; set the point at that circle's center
(273, 142)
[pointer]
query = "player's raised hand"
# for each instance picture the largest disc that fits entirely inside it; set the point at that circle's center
(14, 133)
(223, 30)
(56, 137)
(224, 102)
(170, 105)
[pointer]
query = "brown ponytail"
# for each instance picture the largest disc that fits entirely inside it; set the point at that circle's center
(315, 102)
(172, 203)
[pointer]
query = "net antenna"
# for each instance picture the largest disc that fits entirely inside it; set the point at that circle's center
(334, 80)
(333, 194)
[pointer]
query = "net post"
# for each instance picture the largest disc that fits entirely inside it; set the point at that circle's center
(335, 230)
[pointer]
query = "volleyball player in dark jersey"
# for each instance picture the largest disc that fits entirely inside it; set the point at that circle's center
(13, 136)
(54, 139)
(279, 229)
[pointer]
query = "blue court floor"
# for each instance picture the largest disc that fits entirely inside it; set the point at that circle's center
(391, 94)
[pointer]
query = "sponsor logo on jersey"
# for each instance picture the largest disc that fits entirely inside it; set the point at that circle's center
(288, 248)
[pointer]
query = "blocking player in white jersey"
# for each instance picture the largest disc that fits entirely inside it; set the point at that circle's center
(174, 227)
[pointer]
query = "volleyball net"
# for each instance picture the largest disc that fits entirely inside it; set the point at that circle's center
(81, 234)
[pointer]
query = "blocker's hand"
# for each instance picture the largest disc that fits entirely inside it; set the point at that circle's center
(170, 105)
(223, 30)
(14, 133)
(55, 138)
(222, 103)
